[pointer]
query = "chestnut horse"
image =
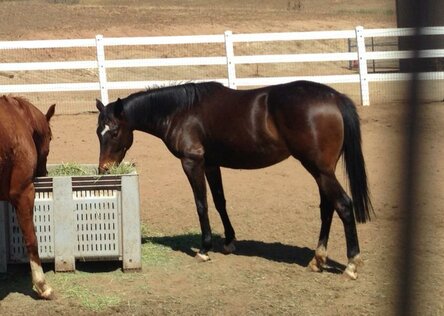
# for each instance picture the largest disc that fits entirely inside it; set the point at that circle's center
(24, 146)
(208, 126)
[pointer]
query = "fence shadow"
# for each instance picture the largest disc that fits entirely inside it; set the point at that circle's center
(276, 251)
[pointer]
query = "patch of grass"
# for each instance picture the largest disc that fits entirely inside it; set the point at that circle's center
(66, 285)
(153, 253)
(158, 249)
(91, 300)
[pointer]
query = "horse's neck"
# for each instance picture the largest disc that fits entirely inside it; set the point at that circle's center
(28, 114)
(152, 118)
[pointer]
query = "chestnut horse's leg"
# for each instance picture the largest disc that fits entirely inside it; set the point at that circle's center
(195, 171)
(24, 204)
(215, 182)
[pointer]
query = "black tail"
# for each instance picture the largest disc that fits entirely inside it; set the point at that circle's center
(354, 161)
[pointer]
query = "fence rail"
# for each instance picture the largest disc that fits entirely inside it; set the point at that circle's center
(230, 60)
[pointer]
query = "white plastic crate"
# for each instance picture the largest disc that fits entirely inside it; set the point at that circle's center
(78, 218)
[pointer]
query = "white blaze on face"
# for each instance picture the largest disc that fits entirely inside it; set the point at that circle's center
(106, 129)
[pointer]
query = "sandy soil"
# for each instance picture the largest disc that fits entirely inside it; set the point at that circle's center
(274, 211)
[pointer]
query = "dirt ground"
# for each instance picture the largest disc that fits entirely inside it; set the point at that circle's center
(274, 211)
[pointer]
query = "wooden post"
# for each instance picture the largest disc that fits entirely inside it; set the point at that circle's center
(231, 67)
(362, 60)
(102, 70)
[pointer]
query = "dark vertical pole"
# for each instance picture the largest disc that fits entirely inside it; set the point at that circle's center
(404, 18)
(434, 16)
(409, 229)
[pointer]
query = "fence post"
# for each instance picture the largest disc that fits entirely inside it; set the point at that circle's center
(102, 70)
(231, 67)
(350, 62)
(363, 73)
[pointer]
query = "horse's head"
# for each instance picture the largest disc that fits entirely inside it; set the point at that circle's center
(115, 136)
(42, 138)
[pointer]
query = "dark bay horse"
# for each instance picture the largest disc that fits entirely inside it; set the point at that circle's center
(25, 135)
(208, 126)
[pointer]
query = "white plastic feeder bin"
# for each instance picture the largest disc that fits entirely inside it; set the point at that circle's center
(87, 218)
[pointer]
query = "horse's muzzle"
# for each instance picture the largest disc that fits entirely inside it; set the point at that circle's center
(103, 170)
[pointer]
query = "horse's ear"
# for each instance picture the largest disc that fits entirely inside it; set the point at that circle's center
(118, 108)
(50, 112)
(99, 105)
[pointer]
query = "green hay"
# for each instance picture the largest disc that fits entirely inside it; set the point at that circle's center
(122, 168)
(71, 169)
(75, 169)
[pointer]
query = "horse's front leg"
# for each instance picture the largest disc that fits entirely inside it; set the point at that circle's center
(215, 181)
(195, 170)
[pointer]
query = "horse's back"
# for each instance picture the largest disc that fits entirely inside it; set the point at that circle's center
(256, 128)
(296, 95)
(300, 118)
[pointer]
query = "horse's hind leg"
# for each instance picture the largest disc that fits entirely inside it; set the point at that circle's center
(215, 182)
(333, 195)
(24, 205)
(320, 259)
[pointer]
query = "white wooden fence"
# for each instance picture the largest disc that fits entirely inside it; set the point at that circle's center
(229, 60)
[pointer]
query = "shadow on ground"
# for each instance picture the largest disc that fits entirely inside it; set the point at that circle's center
(18, 277)
(277, 251)
(18, 280)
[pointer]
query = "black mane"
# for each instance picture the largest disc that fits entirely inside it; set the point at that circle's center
(165, 101)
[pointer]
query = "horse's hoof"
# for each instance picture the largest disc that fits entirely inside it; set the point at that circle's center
(230, 248)
(319, 261)
(201, 257)
(313, 266)
(47, 294)
(351, 271)
(350, 274)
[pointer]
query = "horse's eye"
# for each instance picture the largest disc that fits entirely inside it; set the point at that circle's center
(114, 133)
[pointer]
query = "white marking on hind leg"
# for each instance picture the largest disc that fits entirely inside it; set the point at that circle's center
(352, 267)
(201, 257)
(319, 261)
